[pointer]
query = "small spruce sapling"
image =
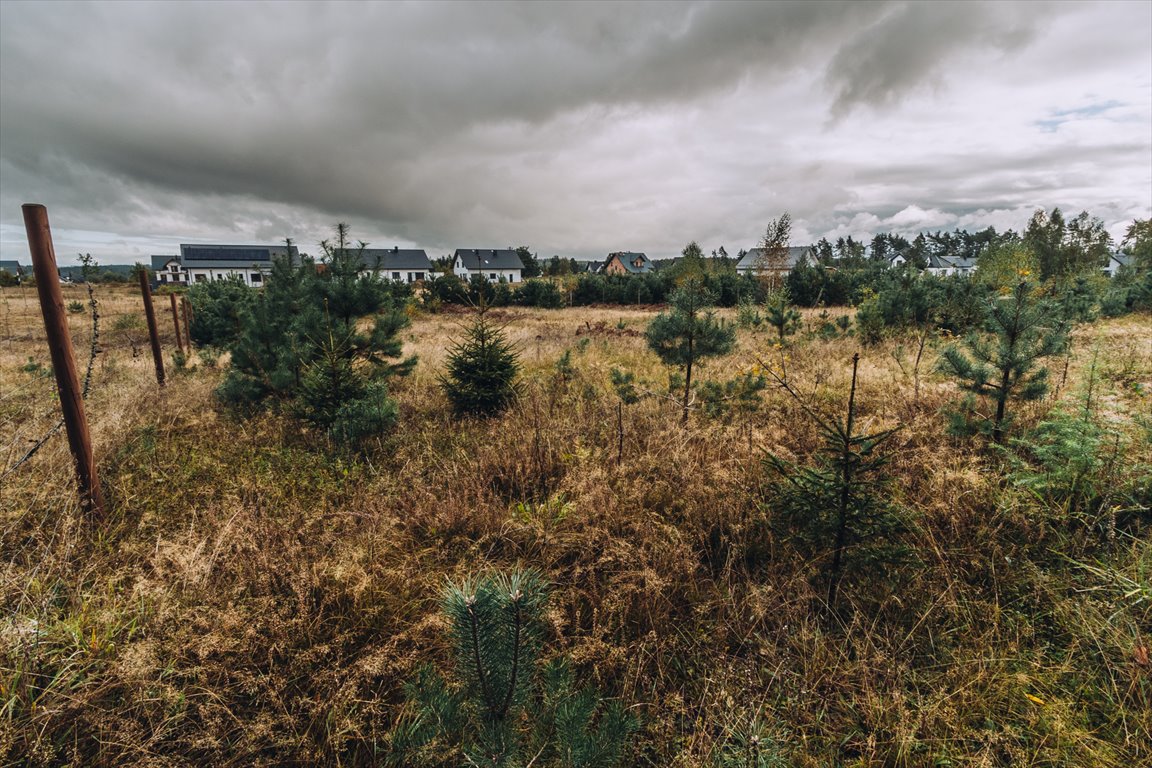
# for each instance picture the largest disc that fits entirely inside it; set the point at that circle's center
(624, 384)
(781, 315)
(1024, 330)
(482, 369)
(500, 707)
(689, 332)
(838, 503)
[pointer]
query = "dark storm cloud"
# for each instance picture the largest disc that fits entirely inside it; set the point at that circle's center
(911, 44)
(568, 125)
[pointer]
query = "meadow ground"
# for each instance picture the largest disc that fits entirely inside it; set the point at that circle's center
(258, 597)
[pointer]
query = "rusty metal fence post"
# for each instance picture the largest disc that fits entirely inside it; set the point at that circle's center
(186, 308)
(176, 322)
(153, 333)
(63, 360)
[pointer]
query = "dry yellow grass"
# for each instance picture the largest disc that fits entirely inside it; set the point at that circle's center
(259, 598)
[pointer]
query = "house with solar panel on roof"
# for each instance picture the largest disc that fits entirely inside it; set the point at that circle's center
(250, 264)
(402, 265)
(493, 264)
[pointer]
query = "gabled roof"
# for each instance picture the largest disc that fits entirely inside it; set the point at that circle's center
(160, 261)
(628, 257)
(935, 261)
(1115, 260)
(753, 259)
(11, 266)
(488, 258)
(395, 258)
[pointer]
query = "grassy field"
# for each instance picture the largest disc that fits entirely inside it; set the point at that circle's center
(258, 597)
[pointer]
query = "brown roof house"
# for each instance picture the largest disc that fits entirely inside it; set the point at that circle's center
(626, 263)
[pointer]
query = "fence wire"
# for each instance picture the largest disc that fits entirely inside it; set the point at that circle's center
(94, 349)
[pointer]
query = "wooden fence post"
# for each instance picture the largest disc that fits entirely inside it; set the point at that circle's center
(63, 360)
(176, 322)
(186, 306)
(150, 313)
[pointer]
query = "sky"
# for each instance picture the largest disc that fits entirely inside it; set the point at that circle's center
(575, 129)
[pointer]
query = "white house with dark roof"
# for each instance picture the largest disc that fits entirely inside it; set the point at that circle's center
(1116, 262)
(403, 265)
(168, 270)
(942, 266)
(13, 268)
(205, 263)
(493, 264)
(759, 260)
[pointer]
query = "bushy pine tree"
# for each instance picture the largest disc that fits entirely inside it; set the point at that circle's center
(303, 344)
(482, 369)
(270, 349)
(499, 707)
(218, 308)
(688, 332)
(1004, 366)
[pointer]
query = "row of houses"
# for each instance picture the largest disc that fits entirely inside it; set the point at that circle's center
(251, 264)
(752, 262)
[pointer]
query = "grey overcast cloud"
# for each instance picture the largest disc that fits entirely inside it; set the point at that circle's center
(574, 128)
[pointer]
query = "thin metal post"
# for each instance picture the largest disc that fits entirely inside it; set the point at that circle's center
(63, 359)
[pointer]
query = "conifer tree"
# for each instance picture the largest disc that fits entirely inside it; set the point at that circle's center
(688, 332)
(781, 315)
(499, 707)
(838, 503)
(482, 369)
(1023, 330)
(302, 344)
(269, 351)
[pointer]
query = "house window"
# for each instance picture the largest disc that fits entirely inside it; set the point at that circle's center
(257, 278)
(492, 275)
(201, 279)
(419, 275)
(396, 276)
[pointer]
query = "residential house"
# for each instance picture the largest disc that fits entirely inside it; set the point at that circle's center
(13, 268)
(490, 263)
(251, 264)
(950, 265)
(1116, 262)
(403, 265)
(168, 270)
(626, 263)
(759, 260)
